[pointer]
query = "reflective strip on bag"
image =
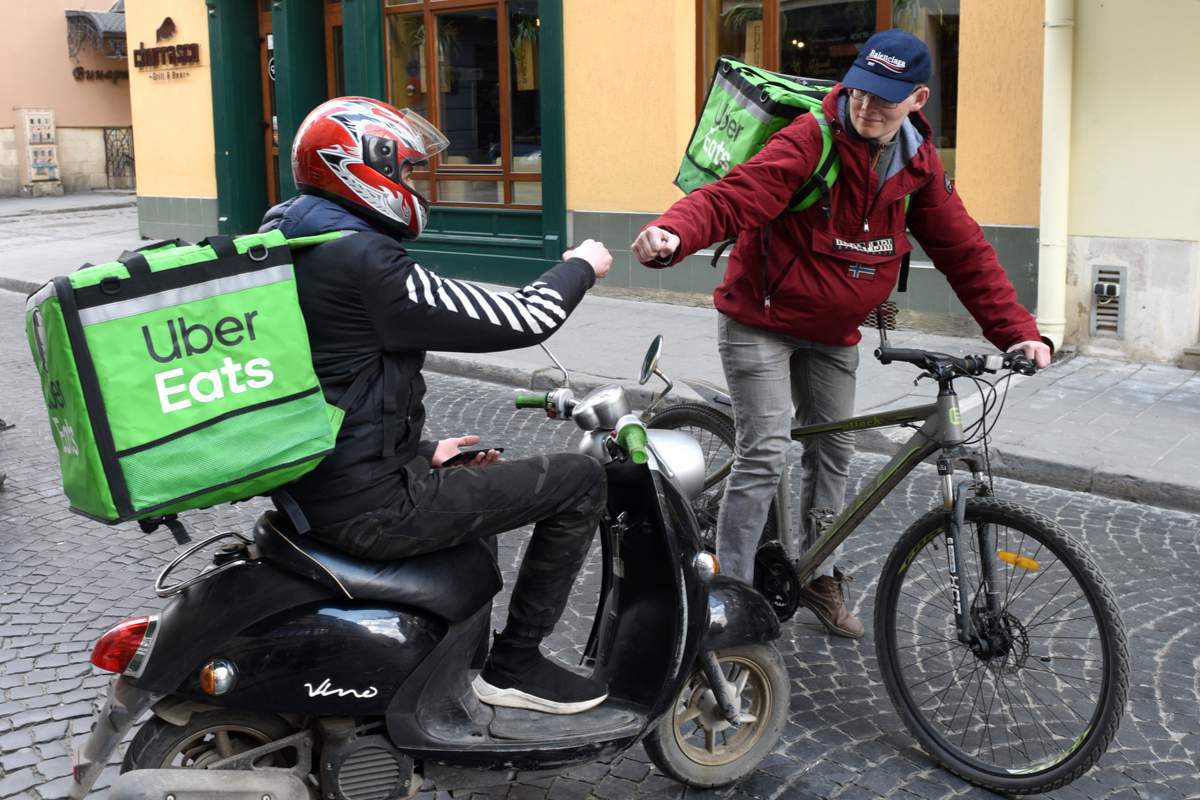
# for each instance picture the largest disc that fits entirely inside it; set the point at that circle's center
(185, 294)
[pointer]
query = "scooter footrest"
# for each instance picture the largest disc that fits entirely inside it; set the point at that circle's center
(606, 721)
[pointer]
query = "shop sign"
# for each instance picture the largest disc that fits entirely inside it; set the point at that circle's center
(114, 75)
(170, 56)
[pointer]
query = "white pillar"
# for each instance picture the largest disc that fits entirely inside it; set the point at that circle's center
(1056, 168)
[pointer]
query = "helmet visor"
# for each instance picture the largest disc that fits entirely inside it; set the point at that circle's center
(426, 141)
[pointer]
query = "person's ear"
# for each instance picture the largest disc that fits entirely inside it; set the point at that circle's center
(920, 98)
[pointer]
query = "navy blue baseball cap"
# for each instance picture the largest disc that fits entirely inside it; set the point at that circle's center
(891, 65)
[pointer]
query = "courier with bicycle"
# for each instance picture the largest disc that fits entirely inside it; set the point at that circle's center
(861, 167)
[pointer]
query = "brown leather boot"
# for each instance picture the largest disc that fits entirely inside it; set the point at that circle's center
(826, 597)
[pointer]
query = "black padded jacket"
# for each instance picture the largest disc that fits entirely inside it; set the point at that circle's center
(371, 308)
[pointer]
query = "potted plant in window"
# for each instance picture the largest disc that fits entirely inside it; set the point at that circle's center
(525, 53)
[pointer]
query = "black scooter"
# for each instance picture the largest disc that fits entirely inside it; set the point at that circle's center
(290, 669)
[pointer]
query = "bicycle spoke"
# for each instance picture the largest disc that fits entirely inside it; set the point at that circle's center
(1051, 618)
(927, 601)
(947, 689)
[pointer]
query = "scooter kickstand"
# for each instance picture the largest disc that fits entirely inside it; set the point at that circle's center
(724, 691)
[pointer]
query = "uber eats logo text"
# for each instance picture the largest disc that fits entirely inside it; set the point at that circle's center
(180, 338)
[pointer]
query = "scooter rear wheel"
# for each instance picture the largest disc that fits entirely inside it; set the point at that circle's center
(207, 737)
(694, 744)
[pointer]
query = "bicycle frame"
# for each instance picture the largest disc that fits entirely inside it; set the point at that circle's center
(939, 428)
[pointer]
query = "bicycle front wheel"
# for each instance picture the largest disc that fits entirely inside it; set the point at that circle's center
(1035, 708)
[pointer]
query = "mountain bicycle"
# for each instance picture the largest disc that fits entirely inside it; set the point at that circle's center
(998, 639)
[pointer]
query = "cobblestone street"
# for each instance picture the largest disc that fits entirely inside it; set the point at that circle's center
(64, 580)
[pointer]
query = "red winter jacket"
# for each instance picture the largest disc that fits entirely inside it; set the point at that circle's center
(825, 275)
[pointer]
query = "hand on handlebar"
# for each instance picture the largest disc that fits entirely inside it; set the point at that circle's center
(1036, 352)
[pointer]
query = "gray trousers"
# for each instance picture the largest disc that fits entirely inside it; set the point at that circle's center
(777, 381)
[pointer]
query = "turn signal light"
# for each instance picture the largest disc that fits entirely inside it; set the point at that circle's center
(117, 647)
(706, 566)
(218, 676)
(1018, 560)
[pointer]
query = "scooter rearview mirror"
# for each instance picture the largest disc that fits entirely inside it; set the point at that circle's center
(650, 362)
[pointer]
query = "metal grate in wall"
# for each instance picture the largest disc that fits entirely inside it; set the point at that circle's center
(1107, 316)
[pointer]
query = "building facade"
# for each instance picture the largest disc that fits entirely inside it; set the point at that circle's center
(64, 108)
(567, 119)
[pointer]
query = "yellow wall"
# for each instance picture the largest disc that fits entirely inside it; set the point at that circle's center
(1134, 165)
(172, 119)
(630, 101)
(1000, 110)
(38, 68)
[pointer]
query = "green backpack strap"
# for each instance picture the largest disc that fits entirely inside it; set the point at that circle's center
(829, 166)
(319, 238)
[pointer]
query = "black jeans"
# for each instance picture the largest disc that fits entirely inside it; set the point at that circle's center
(564, 494)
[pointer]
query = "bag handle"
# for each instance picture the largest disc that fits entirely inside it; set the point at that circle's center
(222, 245)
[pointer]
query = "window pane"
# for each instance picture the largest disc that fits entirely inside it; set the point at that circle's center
(470, 192)
(821, 41)
(525, 114)
(733, 28)
(421, 184)
(936, 23)
(469, 91)
(407, 76)
(527, 193)
(390, 3)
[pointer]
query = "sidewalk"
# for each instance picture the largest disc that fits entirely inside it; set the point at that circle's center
(1118, 429)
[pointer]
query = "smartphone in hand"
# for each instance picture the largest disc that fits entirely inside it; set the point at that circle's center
(465, 457)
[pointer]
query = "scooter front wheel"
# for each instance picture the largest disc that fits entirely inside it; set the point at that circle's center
(694, 743)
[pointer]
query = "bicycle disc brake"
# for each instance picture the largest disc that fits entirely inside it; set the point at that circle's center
(775, 578)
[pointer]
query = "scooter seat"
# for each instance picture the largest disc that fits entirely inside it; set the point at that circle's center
(453, 583)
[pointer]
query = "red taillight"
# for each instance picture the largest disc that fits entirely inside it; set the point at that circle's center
(117, 646)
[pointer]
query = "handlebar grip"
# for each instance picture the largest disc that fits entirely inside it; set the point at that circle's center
(887, 355)
(632, 437)
(536, 400)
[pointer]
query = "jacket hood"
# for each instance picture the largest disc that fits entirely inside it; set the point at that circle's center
(309, 215)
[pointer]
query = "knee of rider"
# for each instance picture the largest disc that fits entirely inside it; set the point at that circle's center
(585, 475)
(764, 459)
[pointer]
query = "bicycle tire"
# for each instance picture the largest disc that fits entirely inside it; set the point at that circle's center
(1058, 553)
(715, 433)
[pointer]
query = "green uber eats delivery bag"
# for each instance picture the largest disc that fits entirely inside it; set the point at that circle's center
(180, 376)
(745, 106)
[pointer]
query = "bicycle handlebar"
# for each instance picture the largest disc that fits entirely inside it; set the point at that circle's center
(937, 363)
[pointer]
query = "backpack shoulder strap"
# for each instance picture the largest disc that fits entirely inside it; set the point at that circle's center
(319, 238)
(902, 282)
(829, 165)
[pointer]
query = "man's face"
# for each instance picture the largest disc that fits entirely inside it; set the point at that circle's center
(876, 118)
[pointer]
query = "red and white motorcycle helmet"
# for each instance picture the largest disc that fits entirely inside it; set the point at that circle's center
(350, 150)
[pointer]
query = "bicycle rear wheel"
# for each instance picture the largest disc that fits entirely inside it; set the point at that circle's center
(1040, 709)
(714, 431)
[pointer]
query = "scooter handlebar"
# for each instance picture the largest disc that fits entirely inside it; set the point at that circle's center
(536, 400)
(632, 437)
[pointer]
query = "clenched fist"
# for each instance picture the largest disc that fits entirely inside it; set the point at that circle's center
(655, 244)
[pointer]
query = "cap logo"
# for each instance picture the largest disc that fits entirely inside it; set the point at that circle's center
(890, 63)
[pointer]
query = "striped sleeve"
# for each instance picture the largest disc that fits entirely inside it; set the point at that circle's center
(414, 308)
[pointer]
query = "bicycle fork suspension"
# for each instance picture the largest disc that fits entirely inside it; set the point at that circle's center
(954, 506)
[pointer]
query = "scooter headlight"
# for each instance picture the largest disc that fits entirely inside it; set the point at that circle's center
(706, 566)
